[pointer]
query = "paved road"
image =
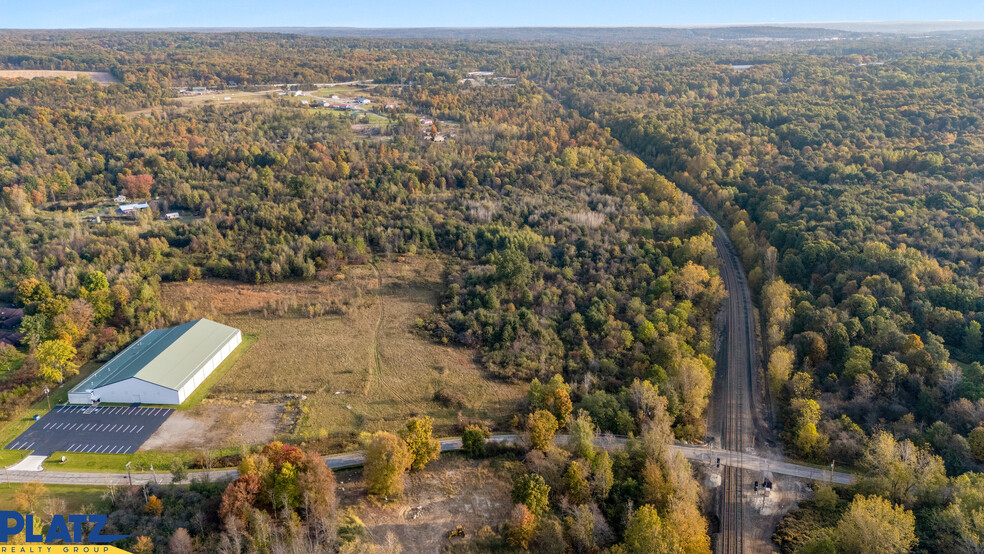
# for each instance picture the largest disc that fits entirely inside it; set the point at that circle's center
(699, 454)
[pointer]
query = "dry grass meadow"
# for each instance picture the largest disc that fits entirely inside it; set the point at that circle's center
(350, 347)
(101, 77)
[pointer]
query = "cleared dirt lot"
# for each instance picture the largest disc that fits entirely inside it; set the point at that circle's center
(452, 491)
(350, 346)
(101, 77)
(217, 425)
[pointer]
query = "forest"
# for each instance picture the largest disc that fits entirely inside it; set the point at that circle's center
(846, 173)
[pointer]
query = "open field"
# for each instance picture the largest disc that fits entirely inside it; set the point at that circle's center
(140, 461)
(101, 77)
(450, 492)
(59, 499)
(361, 366)
(216, 424)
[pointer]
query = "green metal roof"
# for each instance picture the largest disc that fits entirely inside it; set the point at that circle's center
(166, 357)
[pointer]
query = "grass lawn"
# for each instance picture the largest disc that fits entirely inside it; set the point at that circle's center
(74, 497)
(364, 369)
(116, 463)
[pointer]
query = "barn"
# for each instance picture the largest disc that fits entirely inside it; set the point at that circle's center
(162, 367)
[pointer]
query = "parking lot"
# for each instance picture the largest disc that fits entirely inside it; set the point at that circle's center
(103, 430)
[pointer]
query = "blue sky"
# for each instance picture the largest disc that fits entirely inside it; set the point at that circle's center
(465, 13)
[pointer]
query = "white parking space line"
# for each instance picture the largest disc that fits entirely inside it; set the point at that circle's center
(140, 429)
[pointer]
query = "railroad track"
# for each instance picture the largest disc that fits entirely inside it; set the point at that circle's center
(734, 425)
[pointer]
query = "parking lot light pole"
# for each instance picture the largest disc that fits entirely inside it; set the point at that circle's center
(128, 476)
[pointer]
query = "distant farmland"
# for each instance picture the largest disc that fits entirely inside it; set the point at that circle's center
(101, 77)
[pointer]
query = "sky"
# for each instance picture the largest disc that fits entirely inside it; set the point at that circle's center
(53, 14)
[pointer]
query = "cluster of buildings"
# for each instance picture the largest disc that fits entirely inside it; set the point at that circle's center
(10, 320)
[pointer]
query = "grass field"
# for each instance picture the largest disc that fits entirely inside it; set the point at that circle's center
(63, 499)
(101, 77)
(116, 463)
(365, 370)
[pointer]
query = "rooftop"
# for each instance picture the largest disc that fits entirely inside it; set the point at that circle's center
(166, 357)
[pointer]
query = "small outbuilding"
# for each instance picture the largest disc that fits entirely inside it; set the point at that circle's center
(162, 367)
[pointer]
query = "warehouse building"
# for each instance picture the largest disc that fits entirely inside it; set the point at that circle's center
(162, 367)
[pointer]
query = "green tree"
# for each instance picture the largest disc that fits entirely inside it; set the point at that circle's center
(873, 524)
(424, 448)
(975, 440)
(533, 492)
(473, 440)
(602, 475)
(95, 281)
(576, 479)
(581, 436)
(972, 338)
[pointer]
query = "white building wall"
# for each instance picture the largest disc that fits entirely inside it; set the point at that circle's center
(134, 390)
(199, 377)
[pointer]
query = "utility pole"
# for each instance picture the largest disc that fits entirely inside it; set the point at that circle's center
(48, 398)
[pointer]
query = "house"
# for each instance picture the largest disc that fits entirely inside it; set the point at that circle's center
(481, 73)
(130, 208)
(333, 96)
(164, 366)
(363, 101)
(438, 138)
(199, 90)
(10, 337)
(304, 102)
(171, 215)
(120, 199)
(391, 105)
(10, 318)
(426, 121)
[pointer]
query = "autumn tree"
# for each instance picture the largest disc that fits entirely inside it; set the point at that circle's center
(522, 527)
(541, 426)
(154, 506)
(873, 524)
(646, 533)
(387, 460)
(56, 360)
(180, 542)
(902, 471)
(423, 447)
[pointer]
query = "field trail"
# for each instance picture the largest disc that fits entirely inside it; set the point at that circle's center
(376, 386)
